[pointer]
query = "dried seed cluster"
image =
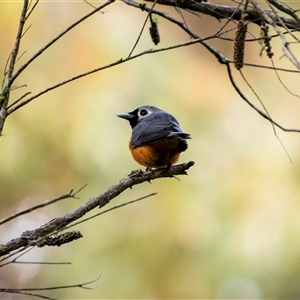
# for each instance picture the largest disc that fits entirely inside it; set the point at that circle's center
(239, 43)
(154, 33)
(267, 40)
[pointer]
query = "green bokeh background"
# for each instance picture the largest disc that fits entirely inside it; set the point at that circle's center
(228, 230)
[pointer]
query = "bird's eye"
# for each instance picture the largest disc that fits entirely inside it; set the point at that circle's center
(143, 112)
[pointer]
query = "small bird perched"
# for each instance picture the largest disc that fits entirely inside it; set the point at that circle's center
(157, 139)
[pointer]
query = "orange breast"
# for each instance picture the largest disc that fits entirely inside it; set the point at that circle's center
(158, 154)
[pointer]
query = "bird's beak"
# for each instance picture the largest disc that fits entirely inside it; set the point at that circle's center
(125, 116)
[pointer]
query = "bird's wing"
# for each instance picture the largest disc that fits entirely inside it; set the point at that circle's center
(154, 127)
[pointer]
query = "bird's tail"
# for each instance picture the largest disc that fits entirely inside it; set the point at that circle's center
(181, 135)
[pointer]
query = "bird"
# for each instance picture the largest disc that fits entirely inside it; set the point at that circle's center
(157, 139)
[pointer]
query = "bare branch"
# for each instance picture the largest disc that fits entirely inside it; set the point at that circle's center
(70, 194)
(25, 291)
(271, 68)
(17, 291)
(22, 68)
(276, 23)
(21, 252)
(32, 9)
(118, 62)
(110, 209)
(32, 237)
(91, 5)
(42, 262)
(141, 31)
(268, 115)
(18, 100)
(225, 12)
(286, 9)
(238, 90)
(281, 81)
(220, 57)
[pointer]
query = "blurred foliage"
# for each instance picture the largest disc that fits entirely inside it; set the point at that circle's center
(228, 230)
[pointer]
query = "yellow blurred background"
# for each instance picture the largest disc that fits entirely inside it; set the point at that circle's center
(229, 229)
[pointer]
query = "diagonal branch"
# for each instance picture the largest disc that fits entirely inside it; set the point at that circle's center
(13, 108)
(286, 9)
(31, 237)
(219, 56)
(225, 11)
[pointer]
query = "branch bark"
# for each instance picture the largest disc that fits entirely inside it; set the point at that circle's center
(32, 237)
(225, 11)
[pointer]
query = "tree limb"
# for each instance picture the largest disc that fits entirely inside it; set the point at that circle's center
(32, 237)
(225, 11)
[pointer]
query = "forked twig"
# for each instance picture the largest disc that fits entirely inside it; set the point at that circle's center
(26, 291)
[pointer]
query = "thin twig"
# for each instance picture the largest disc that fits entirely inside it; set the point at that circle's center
(22, 251)
(25, 291)
(282, 23)
(118, 62)
(238, 90)
(42, 262)
(284, 8)
(32, 9)
(271, 68)
(285, 44)
(218, 32)
(90, 4)
(18, 100)
(110, 209)
(25, 31)
(17, 291)
(141, 31)
(23, 67)
(281, 81)
(80, 285)
(70, 194)
(5, 73)
(221, 58)
(177, 8)
(267, 113)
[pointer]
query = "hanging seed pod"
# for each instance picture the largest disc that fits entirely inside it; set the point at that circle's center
(60, 239)
(239, 43)
(154, 33)
(267, 40)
